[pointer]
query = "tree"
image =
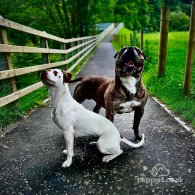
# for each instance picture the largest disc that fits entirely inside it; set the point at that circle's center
(133, 13)
(154, 12)
(178, 21)
(73, 18)
(64, 18)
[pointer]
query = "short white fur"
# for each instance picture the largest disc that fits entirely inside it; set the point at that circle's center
(129, 83)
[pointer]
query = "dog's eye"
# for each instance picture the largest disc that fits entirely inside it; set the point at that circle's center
(59, 76)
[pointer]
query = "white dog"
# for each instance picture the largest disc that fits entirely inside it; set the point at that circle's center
(72, 118)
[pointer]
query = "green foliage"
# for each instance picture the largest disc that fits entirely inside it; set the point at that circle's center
(170, 3)
(178, 21)
(133, 13)
(145, 14)
(65, 18)
(73, 18)
(154, 13)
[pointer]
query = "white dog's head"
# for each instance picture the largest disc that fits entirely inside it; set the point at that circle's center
(55, 77)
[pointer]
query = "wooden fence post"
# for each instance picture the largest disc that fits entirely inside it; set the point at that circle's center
(190, 53)
(73, 52)
(117, 39)
(63, 47)
(122, 39)
(141, 39)
(6, 59)
(164, 29)
(44, 44)
(78, 50)
(114, 37)
(131, 40)
(125, 40)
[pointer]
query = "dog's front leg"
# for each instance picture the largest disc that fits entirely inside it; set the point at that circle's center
(137, 118)
(69, 139)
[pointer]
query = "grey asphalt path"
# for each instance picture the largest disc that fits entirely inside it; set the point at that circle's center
(31, 155)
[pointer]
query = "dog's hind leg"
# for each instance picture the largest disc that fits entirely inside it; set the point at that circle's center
(78, 95)
(111, 147)
(110, 157)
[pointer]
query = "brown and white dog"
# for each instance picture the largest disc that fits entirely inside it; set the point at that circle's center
(122, 94)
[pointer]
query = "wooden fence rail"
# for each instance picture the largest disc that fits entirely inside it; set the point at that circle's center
(80, 48)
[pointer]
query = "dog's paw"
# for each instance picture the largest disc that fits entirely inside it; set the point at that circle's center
(67, 163)
(135, 103)
(64, 151)
(124, 105)
(125, 108)
(138, 138)
(107, 158)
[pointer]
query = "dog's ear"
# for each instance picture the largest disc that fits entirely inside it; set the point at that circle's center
(116, 54)
(120, 52)
(140, 52)
(67, 76)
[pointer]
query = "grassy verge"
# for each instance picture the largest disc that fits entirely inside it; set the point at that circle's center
(170, 88)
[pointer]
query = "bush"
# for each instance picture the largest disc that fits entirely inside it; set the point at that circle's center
(178, 21)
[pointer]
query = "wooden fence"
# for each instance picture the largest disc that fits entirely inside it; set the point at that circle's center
(80, 48)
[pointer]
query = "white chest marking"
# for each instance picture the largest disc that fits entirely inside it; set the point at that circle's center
(129, 83)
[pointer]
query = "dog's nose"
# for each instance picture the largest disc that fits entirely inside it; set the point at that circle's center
(44, 75)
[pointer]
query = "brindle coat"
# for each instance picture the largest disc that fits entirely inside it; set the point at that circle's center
(110, 93)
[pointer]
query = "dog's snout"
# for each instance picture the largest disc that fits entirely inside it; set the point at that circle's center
(44, 75)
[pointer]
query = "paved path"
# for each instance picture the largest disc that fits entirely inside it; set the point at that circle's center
(31, 155)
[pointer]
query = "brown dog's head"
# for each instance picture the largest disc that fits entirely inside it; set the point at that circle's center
(129, 61)
(55, 77)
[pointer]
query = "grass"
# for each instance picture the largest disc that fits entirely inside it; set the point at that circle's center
(169, 89)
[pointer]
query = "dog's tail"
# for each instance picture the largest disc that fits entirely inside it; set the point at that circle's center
(137, 145)
(76, 80)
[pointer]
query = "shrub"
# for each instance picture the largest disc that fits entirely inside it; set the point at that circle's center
(178, 21)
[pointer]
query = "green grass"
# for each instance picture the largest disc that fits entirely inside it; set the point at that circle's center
(169, 89)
